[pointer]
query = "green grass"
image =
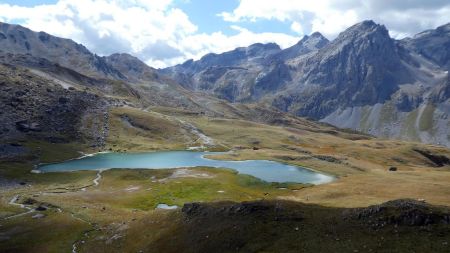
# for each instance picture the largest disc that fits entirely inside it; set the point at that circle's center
(409, 125)
(54, 233)
(147, 131)
(426, 121)
(156, 187)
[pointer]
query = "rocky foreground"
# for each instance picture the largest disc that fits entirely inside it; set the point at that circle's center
(404, 225)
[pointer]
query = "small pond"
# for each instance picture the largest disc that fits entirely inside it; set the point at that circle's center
(269, 171)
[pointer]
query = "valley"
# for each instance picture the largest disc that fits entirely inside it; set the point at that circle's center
(388, 195)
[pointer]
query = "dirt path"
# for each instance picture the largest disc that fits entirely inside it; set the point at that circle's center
(201, 137)
(13, 202)
(97, 179)
(204, 139)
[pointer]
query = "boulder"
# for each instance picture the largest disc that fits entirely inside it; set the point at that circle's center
(25, 126)
(38, 216)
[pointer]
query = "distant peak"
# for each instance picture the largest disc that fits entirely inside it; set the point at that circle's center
(187, 63)
(368, 23)
(364, 28)
(124, 55)
(444, 28)
(315, 40)
(269, 45)
(317, 35)
(365, 25)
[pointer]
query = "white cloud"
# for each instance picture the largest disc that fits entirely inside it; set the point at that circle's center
(403, 18)
(199, 44)
(297, 27)
(162, 35)
(155, 31)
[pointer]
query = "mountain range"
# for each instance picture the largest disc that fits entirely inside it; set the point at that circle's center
(363, 79)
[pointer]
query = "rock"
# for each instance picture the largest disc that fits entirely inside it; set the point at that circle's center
(12, 150)
(257, 208)
(29, 201)
(326, 158)
(190, 208)
(406, 212)
(437, 160)
(63, 100)
(41, 208)
(25, 126)
(38, 216)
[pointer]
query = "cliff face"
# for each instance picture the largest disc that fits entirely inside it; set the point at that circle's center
(418, 107)
(360, 67)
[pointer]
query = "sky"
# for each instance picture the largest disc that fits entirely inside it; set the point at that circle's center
(167, 32)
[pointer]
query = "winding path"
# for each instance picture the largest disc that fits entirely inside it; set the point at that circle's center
(95, 182)
(13, 201)
(97, 179)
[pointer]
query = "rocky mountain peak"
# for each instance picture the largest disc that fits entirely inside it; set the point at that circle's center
(306, 45)
(354, 69)
(433, 44)
(126, 59)
(368, 40)
(130, 66)
(363, 30)
(314, 41)
(444, 28)
(260, 49)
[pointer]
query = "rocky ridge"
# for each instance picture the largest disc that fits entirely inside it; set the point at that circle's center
(363, 80)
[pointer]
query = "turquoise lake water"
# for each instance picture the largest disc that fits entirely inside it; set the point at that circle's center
(269, 171)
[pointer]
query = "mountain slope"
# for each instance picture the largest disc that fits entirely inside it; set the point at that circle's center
(20, 40)
(433, 45)
(245, 74)
(361, 66)
(416, 100)
(363, 80)
(70, 64)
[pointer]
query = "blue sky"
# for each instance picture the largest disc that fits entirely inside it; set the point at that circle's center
(27, 2)
(208, 21)
(203, 13)
(167, 32)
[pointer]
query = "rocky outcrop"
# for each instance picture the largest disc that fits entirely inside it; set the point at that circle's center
(283, 226)
(306, 45)
(436, 159)
(131, 67)
(403, 212)
(36, 108)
